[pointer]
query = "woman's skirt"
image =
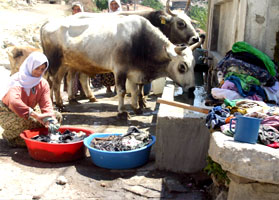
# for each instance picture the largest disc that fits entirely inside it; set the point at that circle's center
(13, 125)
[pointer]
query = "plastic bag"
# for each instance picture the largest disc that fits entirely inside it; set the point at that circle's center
(200, 95)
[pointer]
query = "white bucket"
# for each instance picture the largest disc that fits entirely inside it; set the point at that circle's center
(158, 85)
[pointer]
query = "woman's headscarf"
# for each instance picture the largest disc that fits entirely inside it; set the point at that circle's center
(24, 77)
(77, 4)
(119, 4)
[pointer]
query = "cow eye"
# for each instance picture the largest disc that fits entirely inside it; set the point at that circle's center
(182, 68)
(181, 24)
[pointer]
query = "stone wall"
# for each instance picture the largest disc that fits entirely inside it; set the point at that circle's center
(253, 21)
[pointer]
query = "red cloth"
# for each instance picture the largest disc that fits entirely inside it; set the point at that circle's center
(18, 101)
(274, 145)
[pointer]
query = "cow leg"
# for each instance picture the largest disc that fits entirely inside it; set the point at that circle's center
(136, 94)
(121, 91)
(142, 101)
(84, 80)
(49, 80)
(70, 84)
(57, 78)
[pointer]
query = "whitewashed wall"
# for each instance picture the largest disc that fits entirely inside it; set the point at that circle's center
(253, 21)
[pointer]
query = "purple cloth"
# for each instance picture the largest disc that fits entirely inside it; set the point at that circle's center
(271, 121)
(255, 97)
(229, 85)
(275, 87)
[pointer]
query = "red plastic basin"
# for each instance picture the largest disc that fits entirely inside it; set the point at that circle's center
(48, 152)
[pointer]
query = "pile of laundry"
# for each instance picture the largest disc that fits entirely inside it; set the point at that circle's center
(219, 119)
(133, 139)
(247, 73)
(57, 137)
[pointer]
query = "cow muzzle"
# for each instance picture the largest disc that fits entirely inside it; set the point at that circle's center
(194, 40)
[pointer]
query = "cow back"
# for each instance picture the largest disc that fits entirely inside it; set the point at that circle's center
(98, 43)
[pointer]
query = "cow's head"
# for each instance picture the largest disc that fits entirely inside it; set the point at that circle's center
(178, 27)
(181, 67)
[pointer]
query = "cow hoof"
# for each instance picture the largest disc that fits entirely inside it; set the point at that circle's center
(60, 108)
(123, 116)
(138, 111)
(73, 102)
(81, 97)
(142, 103)
(93, 100)
(58, 105)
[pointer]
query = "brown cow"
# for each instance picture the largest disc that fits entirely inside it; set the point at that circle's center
(17, 54)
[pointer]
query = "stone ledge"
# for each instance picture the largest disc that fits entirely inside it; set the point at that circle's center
(251, 161)
(251, 191)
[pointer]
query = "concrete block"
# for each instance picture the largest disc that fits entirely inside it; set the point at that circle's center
(182, 139)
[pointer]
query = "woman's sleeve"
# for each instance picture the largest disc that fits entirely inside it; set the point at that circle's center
(45, 102)
(14, 101)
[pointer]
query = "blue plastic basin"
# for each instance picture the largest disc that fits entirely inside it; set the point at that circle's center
(119, 159)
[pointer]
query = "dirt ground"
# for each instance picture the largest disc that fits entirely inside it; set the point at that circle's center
(25, 178)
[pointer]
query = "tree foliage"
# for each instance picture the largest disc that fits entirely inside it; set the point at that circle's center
(155, 4)
(200, 14)
(101, 4)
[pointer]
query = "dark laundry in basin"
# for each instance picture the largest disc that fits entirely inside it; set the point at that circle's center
(133, 139)
(66, 137)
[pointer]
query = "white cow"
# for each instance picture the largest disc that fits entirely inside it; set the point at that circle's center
(175, 25)
(129, 46)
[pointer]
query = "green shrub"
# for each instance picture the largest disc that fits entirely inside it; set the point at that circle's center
(199, 14)
(101, 4)
(155, 4)
(216, 170)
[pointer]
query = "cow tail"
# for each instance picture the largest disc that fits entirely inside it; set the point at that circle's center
(41, 34)
(52, 52)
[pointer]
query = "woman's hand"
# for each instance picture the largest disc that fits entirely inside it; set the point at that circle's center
(39, 117)
(50, 122)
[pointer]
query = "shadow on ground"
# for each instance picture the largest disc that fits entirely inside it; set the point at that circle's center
(139, 183)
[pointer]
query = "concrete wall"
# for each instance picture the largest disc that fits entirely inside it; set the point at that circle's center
(182, 139)
(262, 23)
(253, 21)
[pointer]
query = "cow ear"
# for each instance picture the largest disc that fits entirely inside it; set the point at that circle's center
(179, 49)
(164, 19)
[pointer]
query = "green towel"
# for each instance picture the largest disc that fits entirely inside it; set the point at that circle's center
(243, 46)
(231, 103)
(245, 80)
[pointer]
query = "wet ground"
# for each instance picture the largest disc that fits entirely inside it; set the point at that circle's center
(21, 177)
(25, 178)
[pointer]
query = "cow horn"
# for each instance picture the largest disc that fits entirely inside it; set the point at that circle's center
(179, 49)
(196, 45)
(168, 8)
(187, 6)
